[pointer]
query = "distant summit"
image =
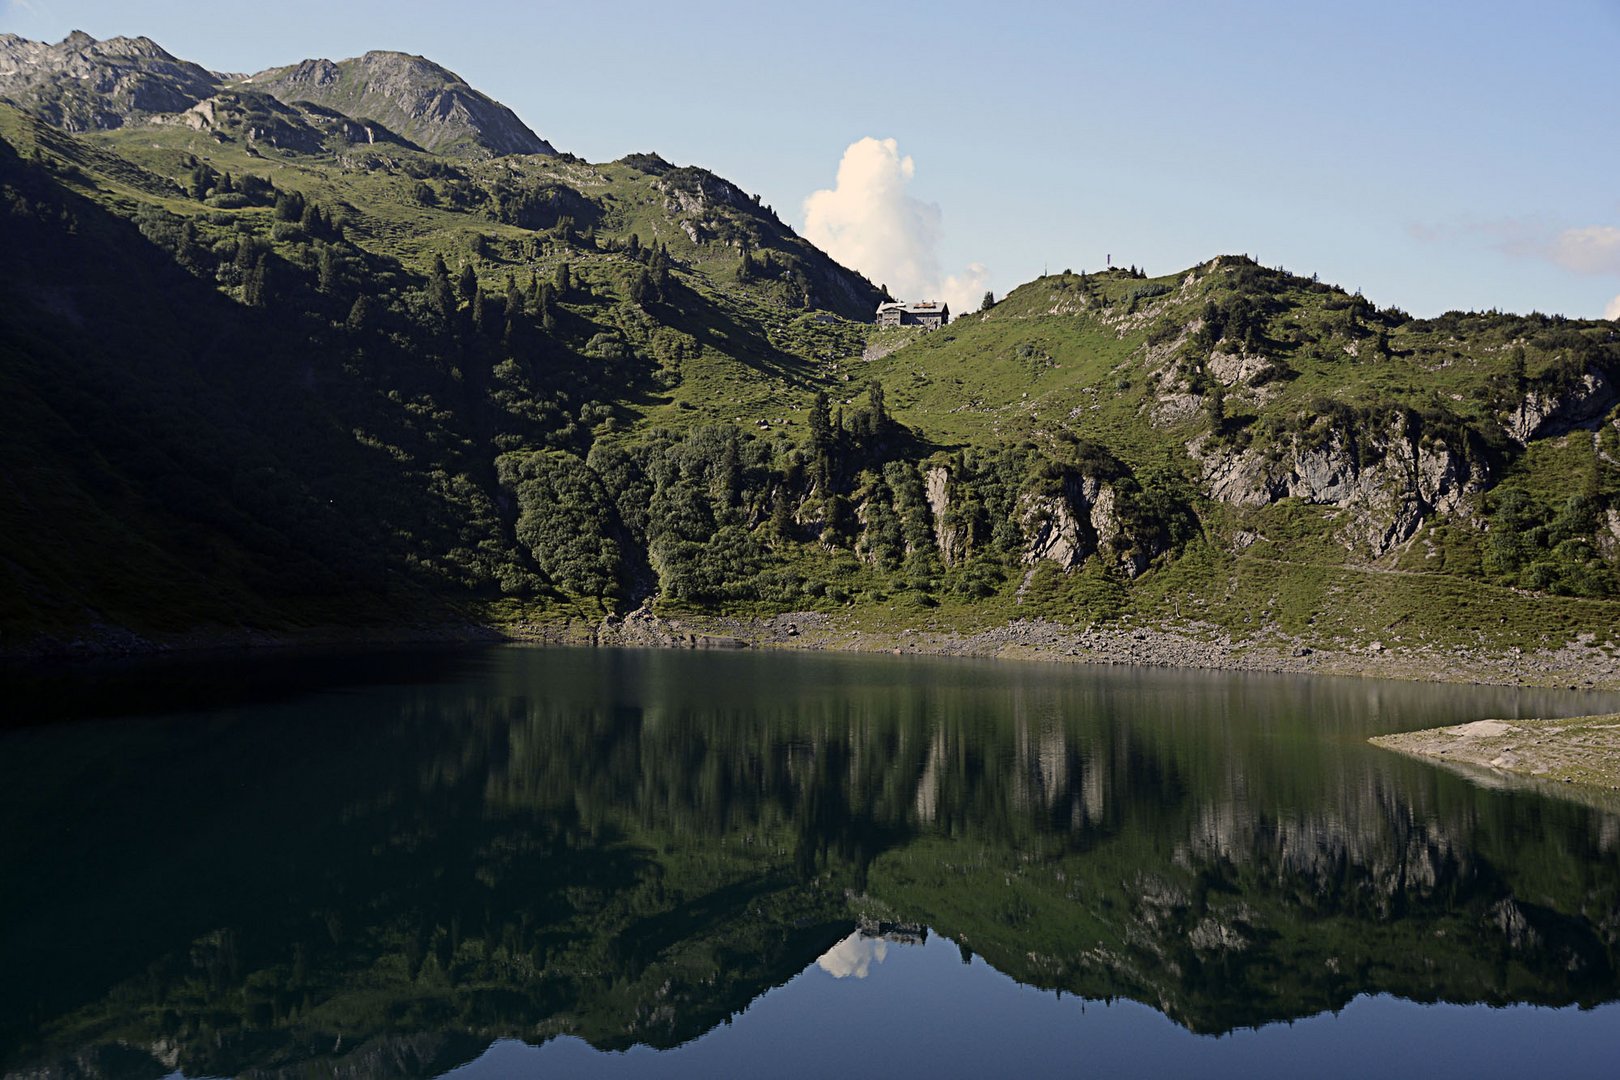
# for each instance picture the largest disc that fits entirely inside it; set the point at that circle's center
(431, 106)
(81, 84)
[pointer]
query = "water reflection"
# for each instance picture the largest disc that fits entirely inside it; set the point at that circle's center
(853, 957)
(631, 847)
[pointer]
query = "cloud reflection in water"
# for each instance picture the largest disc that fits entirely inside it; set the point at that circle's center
(853, 957)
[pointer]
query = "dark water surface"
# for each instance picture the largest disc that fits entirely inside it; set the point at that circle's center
(513, 861)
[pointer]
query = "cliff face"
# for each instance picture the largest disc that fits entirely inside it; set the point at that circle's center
(429, 105)
(1544, 412)
(1389, 481)
(1082, 521)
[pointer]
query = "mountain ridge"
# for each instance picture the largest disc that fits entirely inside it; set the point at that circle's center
(412, 95)
(82, 84)
(532, 389)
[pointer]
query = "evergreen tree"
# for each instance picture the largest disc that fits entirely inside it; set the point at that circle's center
(467, 284)
(360, 314)
(781, 514)
(326, 269)
(202, 181)
(641, 289)
(1215, 403)
(255, 286)
(440, 297)
(513, 332)
(289, 206)
(880, 417)
(820, 423)
(564, 281)
(545, 307)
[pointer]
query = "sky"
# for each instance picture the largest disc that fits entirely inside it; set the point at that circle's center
(1434, 155)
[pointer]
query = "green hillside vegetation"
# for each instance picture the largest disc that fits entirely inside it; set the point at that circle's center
(274, 367)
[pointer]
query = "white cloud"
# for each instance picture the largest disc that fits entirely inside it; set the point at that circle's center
(1594, 249)
(1586, 249)
(853, 957)
(870, 222)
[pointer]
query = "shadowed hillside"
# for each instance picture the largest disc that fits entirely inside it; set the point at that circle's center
(348, 346)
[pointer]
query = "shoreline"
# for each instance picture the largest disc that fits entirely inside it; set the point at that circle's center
(1576, 665)
(1573, 666)
(1563, 756)
(1566, 757)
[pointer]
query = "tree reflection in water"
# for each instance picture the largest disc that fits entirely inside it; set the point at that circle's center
(632, 846)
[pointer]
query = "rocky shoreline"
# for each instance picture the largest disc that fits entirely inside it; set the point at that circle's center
(1578, 664)
(1575, 665)
(1578, 751)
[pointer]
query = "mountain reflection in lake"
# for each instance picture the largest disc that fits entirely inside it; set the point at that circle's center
(403, 866)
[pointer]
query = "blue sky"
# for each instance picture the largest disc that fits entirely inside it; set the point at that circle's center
(1435, 155)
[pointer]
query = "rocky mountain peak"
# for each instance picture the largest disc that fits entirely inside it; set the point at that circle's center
(428, 104)
(81, 83)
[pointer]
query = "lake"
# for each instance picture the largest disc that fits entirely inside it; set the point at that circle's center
(510, 860)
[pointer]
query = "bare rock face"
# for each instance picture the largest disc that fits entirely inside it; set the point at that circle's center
(427, 104)
(1544, 414)
(951, 540)
(1233, 369)
(82, 84)
(1389, 484)
(1055, 532)
(1080, 522)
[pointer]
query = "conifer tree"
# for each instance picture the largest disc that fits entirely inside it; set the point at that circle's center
(440, 298)
(255, 287)
(545, 307)
(359, 313)
(326, 268)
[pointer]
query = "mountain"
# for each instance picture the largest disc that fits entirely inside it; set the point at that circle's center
(82, 84)
(413, 96)
(272, 367)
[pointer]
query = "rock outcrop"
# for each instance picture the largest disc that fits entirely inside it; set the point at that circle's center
(1081, 521)
(1389, 481)
(949, 536)
(1546, 412)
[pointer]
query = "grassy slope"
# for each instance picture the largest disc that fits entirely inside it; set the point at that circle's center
(1061, 354)
(1045, 360)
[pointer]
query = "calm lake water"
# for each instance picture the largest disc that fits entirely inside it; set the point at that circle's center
(515, 861)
